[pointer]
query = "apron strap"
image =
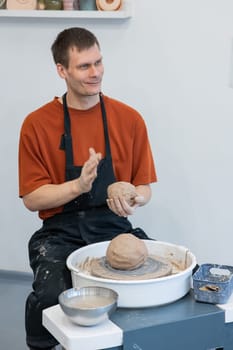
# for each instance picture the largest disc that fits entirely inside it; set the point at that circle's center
(105, 124)
(67, 139)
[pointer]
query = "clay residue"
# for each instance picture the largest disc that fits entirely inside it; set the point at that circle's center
(94, 266)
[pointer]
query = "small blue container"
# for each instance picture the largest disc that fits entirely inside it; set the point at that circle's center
(213, 283)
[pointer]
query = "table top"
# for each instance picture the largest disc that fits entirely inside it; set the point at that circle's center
(127, 321)
(181, 310)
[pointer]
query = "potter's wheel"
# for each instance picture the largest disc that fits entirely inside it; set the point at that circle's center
(155, 291)
(153, 267)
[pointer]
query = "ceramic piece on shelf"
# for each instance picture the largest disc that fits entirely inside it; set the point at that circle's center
(21, 4)
(68, 5)
(76, 5)
(53, 4)
(40, 5)
(108, 5)
(87, 5)
(2, 4)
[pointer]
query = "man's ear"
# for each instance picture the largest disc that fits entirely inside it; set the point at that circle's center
(61, 70)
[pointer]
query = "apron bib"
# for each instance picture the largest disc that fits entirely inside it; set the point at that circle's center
(105, 174)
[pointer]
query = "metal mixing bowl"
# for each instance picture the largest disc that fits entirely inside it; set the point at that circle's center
(88, 306)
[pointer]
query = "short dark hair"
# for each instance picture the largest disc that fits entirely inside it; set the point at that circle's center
(79, 38)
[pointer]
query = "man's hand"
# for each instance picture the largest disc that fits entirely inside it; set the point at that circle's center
(120, 207)
(51, 196)
(89, 171)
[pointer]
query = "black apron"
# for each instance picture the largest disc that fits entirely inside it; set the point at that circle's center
(96, 222)
(84, 220)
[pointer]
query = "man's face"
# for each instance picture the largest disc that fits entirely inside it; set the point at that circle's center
(85, 71)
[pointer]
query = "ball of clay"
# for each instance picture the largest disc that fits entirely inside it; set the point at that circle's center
(126, 252)
(122, 189)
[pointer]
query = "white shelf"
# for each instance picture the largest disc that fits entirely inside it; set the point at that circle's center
(125, 12)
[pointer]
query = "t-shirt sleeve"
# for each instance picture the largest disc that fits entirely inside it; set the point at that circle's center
(32, 171)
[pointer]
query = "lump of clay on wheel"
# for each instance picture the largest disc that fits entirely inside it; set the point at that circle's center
(122, 189)
(126, 252)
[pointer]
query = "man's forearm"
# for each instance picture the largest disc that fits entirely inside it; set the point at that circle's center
(145, 191)
(52, 196)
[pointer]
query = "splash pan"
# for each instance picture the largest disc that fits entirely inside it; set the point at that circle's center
(143, 292)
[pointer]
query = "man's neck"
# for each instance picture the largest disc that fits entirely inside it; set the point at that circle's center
(81, 102)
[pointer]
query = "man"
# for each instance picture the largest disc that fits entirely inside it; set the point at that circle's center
(70, 150)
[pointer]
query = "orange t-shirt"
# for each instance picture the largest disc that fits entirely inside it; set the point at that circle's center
(42, 161)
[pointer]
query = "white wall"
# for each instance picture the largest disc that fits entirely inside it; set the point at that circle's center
(173, 62)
